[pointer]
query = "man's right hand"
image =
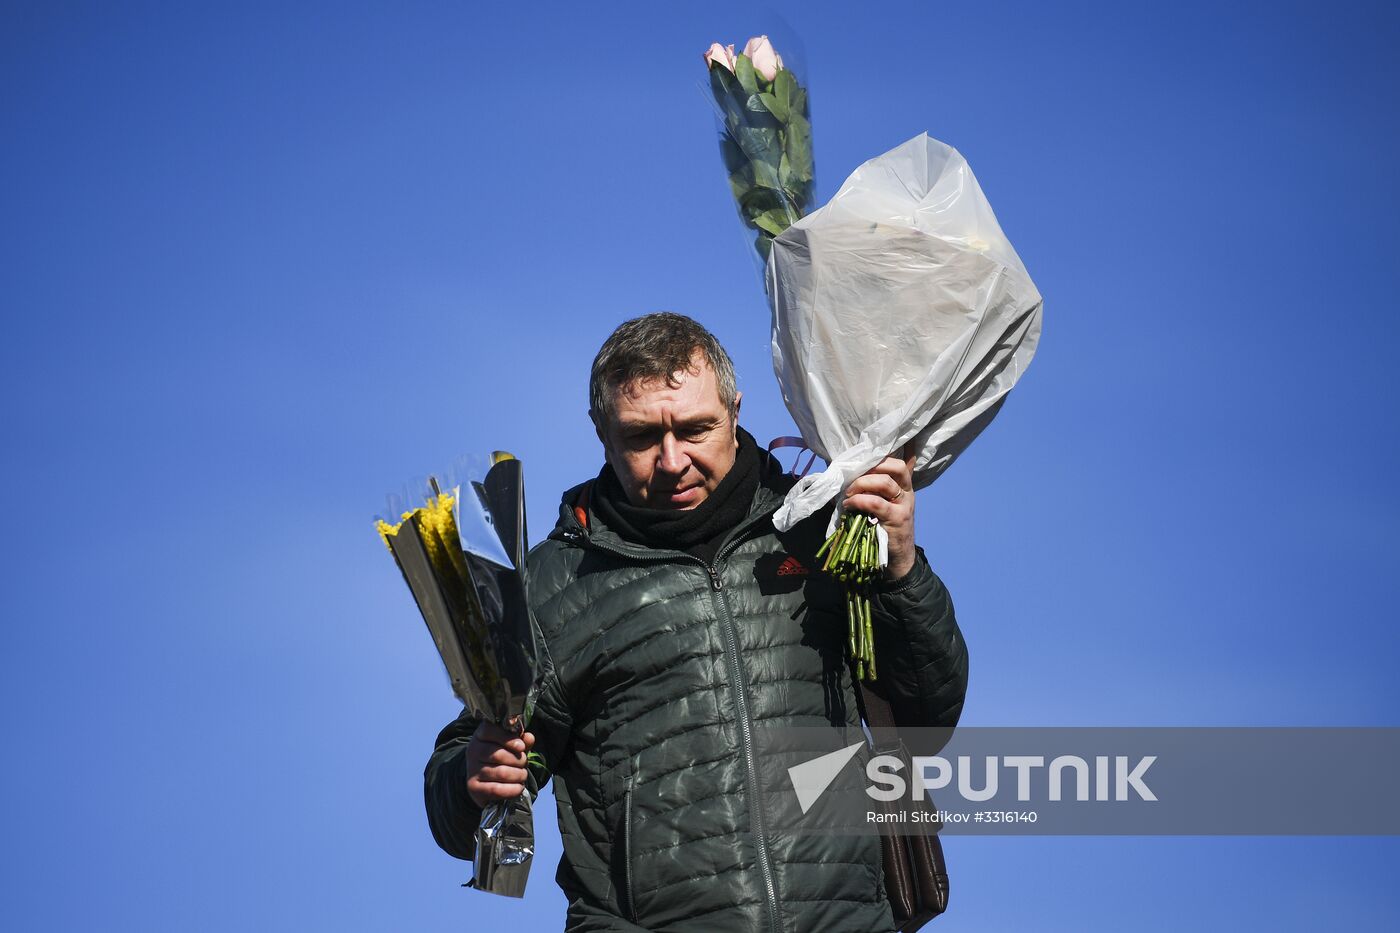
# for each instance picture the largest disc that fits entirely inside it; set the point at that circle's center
(496, 764)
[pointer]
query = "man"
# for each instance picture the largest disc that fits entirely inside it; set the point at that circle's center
(676, 621)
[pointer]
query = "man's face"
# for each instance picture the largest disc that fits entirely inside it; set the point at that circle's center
(671, 447)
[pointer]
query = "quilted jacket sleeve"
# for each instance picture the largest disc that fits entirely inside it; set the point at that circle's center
(920, 656)
(452, 814)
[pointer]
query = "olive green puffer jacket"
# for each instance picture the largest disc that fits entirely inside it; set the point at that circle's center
(659, 673)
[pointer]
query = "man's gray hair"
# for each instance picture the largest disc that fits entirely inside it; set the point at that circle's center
(656, 346)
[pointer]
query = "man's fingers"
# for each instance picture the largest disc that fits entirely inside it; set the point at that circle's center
(897, 467)
(489, 732)
(504, 756)
(885, 492)
(484, 752)
(505, 791)
(502, 775)
(900, 470)
(882, 508)
(878, 484)
(490, 783)
(485, 794)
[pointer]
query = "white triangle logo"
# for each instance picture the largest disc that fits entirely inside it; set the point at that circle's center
(811, 778)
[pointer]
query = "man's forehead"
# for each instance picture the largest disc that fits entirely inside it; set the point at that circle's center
(691, 384)
(690, 393)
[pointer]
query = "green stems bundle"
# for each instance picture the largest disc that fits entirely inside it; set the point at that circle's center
(852, 555)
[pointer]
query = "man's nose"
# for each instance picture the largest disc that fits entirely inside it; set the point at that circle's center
(673, 459)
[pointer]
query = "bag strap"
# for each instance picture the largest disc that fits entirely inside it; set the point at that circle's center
(876, 712)
(802, 447)
(916, 875)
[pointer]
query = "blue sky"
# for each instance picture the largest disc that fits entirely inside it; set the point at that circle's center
(265, 262)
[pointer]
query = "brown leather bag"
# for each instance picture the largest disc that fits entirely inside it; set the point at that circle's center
(916, 877)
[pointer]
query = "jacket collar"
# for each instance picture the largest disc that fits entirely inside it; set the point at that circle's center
(580, 525)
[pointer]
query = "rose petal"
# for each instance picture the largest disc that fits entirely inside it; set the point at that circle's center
(765, 60)
(718, 55)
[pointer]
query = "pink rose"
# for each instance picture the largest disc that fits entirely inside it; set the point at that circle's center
(721, 54)
(765, 61)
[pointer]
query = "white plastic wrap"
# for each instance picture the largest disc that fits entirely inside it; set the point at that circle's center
(900, 313)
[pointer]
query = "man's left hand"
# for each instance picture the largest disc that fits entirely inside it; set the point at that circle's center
(887, 492)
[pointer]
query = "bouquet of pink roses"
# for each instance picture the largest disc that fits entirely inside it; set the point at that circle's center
(765, 136)
(901, 314)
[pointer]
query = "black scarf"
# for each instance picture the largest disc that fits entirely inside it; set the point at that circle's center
(698, 531)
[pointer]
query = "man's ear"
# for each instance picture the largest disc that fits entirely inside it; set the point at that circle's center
(597, 428)
(738, 399)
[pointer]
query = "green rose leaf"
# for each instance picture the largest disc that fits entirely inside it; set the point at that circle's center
(772, 205)
(760, 199)
(798, 148)
(765, 174)
(740, 182)
(790, 97)
(773, 221)
(747, 77)
(760, 143)
(775, 105)
(756, 112)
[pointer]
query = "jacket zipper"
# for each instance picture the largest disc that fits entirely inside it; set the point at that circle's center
(739, 679)
(738, 684)
(627, 850)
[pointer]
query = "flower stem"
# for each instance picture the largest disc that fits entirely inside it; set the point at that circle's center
(852, 555)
